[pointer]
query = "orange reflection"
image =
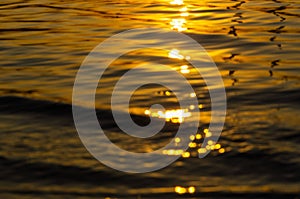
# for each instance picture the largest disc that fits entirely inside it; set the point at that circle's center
(183, 190)
(180, 190)
(222, 150)
(191, 189)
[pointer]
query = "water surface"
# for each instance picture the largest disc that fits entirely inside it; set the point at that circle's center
(255, 45)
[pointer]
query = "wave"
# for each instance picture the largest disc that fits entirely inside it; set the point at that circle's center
(80, 181)
(266, 97)
(17, 104)
(23, 171)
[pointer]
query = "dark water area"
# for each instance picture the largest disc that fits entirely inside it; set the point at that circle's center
(255, 45)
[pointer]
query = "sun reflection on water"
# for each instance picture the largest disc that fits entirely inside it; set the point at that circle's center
(184, 69)
(178, 115)
(183, 190)
(174, 116)
(177, 2)
(196, 146)
(179, 23)
(175, 54)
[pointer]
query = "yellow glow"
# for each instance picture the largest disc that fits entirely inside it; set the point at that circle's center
(184, 14)
(222, 150)
(200, 106)
(192, 107)
(192, 94)
(147, 112)
(192, 137)
(183, 9)
(180, 190)
(172, 152)
(177, 140)
(184, 69)
(177, 2)
(217, 146)
(174, 53)
(186, 155)
(210, 142)
(207, 133)
(198, 136)
(178, 24)
(174, 116)
(192, 145)
(191, 190)
(168, 93)
(201, 150)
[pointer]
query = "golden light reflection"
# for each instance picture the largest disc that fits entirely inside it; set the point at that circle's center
(196, 147)
(184, 14)
(177, 2)
(178, 24)
(192, 137)
(198, 136)
(193, 95)
(222, 150)
(180, 190)
(192, 145)
(173, 152)
(177, 140)
(210, 142)
(207, 133)
(184, 69)
(186, 154)
(147, 112)
(217, 146)
(174, 116)
(191, 190)
(201, 150)
(183, 190)
(184, 9)
(174, 54)
(168, 93)
(196, 141)
(192, 107)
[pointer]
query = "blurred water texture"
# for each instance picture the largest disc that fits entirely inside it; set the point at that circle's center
(255, 45)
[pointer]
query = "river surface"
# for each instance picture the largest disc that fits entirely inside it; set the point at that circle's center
(255, 45)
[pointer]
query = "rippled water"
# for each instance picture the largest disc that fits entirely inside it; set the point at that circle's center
(255, 45)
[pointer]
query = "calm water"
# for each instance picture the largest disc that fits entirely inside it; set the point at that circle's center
(255, 45)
